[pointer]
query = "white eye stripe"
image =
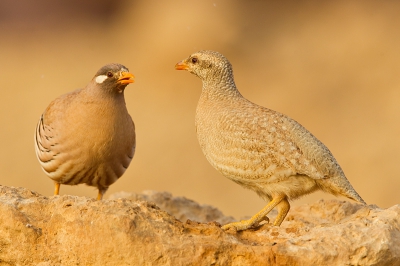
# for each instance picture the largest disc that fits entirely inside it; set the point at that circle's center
(100, 79)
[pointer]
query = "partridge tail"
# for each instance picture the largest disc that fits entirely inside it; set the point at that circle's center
(340, 186)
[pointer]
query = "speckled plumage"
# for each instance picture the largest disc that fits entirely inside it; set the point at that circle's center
(256, 147)
(87, 136)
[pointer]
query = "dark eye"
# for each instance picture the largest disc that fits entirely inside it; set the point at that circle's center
(109, 74)
(194, 60)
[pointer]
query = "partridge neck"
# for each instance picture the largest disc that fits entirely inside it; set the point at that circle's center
(104, 93)
(220, 89)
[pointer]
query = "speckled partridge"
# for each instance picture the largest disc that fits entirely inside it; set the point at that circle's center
(87, 136)
(258, 148)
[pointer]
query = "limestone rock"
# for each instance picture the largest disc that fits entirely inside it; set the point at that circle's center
(70, 230)
(181, 208)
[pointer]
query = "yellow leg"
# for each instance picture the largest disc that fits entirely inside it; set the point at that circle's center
(100, 195)
(260, 216)
(56, 188)
(102, 191)
(283, 208)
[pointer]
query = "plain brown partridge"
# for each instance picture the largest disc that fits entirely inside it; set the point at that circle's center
(87, 136)
(256, 147)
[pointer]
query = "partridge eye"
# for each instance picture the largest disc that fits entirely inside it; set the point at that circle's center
(109, 74)
(194, 60)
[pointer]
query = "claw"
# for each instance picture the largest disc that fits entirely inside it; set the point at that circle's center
(255, 221)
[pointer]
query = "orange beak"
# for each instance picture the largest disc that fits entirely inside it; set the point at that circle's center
(181, 66)
(126, 78)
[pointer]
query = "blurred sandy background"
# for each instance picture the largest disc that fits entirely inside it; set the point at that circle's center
(333, 66)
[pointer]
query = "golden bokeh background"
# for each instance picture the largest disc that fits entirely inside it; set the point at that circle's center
(334, 66)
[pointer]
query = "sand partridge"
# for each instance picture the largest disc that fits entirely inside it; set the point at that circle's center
(258, 148)
(87, 136)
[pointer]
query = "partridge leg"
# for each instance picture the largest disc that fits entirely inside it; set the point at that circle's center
(102, 191)
(56, 188)
(100, 195)
(283, 208)
(260, 216)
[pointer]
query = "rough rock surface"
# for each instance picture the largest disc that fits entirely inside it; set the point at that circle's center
(181, 208)
(70, 230)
